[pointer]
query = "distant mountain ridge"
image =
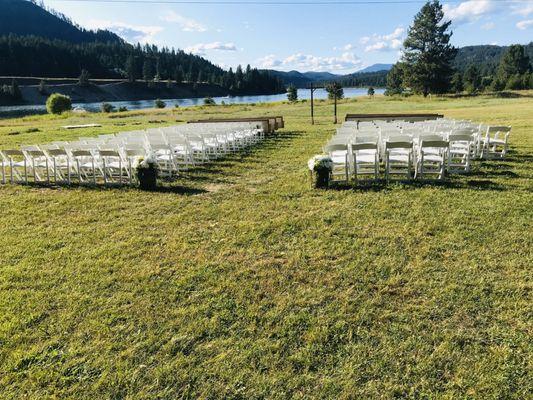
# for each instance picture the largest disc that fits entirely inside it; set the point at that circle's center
(376, 68)
(25, 18)
(304, 79)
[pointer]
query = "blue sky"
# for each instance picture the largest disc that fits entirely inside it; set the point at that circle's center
(335, 38)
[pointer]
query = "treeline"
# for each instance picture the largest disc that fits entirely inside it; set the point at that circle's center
(20, 17)
(364, 79)
(427, 63)
(37, 56)
(514, 72)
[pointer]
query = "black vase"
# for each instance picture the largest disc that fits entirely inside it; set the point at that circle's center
(147, 178)
(322, 178)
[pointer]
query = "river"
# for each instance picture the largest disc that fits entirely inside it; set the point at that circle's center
(141, 104)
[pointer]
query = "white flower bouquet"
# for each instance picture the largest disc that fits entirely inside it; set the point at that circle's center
(147, 171)
(320, 162)
(322, 166)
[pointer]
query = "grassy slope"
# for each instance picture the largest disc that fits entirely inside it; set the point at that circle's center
(243, 282)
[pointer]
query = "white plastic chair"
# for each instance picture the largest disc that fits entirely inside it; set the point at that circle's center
(364, 159)
(459, 152)
(339, 156)
(39, 165)
(495, 143)
(398, 158)
(431, 158)
(60, 164)
(18, 165)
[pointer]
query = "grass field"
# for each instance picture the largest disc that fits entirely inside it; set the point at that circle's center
(239, 281)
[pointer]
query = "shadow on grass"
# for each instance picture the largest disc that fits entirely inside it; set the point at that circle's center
(381, 185)
(161, 188)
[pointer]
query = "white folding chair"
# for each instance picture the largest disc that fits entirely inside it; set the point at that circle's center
(113, 167)
(132, 157)
(60, 164)
(18, 165)
(495, 143)
(459, 152)
(39, 165)
(364, 158)
(339, 155)
(85, 165)
(398, 158)
(431, 158)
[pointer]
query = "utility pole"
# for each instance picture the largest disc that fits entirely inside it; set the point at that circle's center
(335, 106)
(312, 105)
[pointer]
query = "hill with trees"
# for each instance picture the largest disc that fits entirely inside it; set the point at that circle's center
(27, 18)
(39, 43)
(431, 65)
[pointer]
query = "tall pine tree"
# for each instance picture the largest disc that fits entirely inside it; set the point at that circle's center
(428, 54)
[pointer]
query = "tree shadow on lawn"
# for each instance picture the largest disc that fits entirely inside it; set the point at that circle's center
(382, 185)
(163, 187)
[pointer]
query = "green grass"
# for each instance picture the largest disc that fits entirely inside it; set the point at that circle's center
(240, 281)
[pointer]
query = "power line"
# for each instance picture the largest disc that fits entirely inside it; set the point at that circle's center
(278, 3)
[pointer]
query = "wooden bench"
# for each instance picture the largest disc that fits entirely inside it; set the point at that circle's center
(269, 124)
(411, 117)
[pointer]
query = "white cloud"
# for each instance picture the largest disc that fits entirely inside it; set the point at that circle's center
(131, 33)
(269, 61)
(468, 11)
(392, 41)
(488, 26)
(526, 24)
(523, 8)
(186, 24)
(202, 48)
(308, 62)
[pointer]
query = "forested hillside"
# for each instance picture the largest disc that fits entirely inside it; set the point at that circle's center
(37, 43)
(485, 57)
(25, 18)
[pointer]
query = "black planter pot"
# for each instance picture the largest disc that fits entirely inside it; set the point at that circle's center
(147, 178)
(322, 178)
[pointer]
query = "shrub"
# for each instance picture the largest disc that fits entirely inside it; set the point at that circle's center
(122, 109)
(58, 103)
(107, 108)
(159, 103)
(176, 105)
(209, 101)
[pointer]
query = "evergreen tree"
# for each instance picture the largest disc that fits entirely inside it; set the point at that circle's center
(334, 89)
(131, 68)
(514, 61)
(42, 87)
(178, 74)
(457, 82)
(14, 90)
(371, 91)
(292, 93)
(472, 78)
(148, 71)
(200, 78)
(428, 55)
(395, 79)
(83, 79)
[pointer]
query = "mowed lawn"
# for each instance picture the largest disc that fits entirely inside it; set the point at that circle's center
(240, 281)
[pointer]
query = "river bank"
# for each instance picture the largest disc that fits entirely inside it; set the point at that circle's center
(119, 91)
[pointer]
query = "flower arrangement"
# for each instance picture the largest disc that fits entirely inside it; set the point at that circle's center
(147, 171)
(320, 162)
(321, 165)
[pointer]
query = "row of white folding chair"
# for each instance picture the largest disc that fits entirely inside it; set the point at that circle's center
(54, 164)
